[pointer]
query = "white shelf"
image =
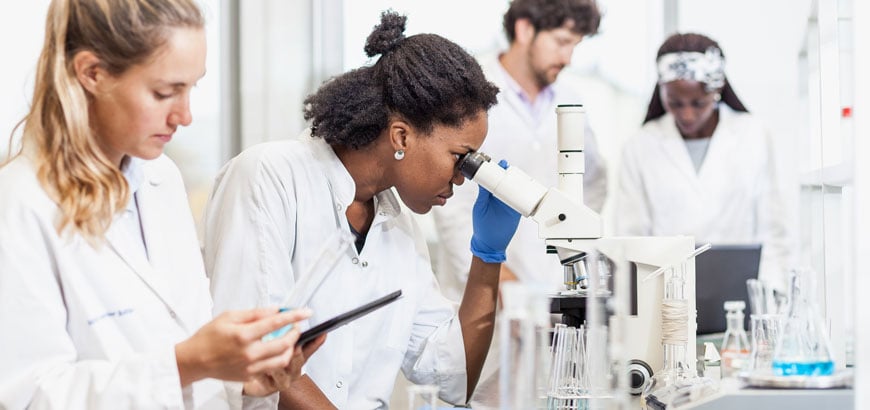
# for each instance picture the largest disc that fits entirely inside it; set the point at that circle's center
(836, 175)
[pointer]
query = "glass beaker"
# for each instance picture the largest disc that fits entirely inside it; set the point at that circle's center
(524, 346)
(803, 348)
(422, 397)
(765, 333)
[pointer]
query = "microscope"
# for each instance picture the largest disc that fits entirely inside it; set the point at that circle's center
(573, 232)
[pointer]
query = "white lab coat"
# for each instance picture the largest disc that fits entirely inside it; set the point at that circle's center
(272, 209)
(531, 145)
(734, 198)
(88, 327)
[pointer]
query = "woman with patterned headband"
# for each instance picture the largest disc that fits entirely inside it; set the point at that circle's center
(702, 165)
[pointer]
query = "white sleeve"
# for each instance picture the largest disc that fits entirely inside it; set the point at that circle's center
(436, 350)
(595, 175)
(453, 223)
(632, 204)
(240, 401)
(249, 236)
(39, 364)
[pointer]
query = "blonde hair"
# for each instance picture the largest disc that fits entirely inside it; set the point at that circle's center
(88, 188)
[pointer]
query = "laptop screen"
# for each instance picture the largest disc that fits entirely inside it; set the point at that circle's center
(720, 275)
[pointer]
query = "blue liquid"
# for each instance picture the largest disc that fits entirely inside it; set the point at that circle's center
(803, 368)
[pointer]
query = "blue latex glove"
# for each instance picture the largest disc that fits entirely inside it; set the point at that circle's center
(494, 225)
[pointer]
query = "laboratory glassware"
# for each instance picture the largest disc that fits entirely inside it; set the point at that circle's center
(766, 329)
(524, 331)
(676, 383)
(422, 397)
(803, 348)
(735, 345)
(568, 382)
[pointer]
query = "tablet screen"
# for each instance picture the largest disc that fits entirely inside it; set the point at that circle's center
(346, 317)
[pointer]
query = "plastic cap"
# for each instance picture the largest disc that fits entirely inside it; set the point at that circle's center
(735, 305)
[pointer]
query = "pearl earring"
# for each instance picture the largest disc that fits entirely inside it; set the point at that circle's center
(717, 97)
(399, 154)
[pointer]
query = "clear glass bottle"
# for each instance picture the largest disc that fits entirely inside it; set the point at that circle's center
(735, 345)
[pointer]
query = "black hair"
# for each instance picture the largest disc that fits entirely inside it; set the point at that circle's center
(425, 79)
(690, 42)
(551, 14)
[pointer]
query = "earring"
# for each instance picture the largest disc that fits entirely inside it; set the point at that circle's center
(399, 154)
(717, 97)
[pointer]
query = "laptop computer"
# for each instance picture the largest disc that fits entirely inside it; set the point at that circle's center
(720, 275)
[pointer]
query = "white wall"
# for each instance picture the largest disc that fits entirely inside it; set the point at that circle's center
(275, 68)
(475, 25)
(761, 41)
(861, 244)
(21, 34)
(196, 149)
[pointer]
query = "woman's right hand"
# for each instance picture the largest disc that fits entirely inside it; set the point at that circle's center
(230, 346)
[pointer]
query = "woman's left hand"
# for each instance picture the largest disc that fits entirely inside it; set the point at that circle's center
(265, 384)
(494, 225)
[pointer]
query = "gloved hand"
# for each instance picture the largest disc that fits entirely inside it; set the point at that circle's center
(494, 225)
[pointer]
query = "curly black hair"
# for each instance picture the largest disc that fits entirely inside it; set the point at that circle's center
(550, 14)
(682, 42)
(425, 79)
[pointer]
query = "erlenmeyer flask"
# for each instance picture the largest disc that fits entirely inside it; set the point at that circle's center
(803, 348)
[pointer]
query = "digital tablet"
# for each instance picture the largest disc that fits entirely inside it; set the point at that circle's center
(346, 317)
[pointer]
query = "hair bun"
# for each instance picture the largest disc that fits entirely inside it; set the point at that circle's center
(387, 35)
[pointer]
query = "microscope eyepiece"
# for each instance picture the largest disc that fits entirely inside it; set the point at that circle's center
(471, 162)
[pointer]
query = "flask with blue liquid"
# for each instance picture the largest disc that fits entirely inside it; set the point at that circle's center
(804, 348)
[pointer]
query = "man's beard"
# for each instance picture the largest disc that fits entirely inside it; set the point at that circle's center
(540, 76)
(542, 79)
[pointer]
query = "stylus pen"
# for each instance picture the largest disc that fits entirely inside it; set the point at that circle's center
(307, 284)
(280, 332)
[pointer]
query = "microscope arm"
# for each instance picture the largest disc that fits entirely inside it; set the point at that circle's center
(571, 228)
(559, 218)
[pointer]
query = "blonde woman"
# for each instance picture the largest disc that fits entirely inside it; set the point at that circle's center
(104, 302)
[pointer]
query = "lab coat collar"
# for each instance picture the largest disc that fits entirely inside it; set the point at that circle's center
(545, 96)
(675, 149)
(344, 187)
(511, 94)
(153, 271)
(342, 184)
(387, 205)
(722, 145)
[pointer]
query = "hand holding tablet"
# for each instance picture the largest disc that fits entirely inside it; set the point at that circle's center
(346, 317)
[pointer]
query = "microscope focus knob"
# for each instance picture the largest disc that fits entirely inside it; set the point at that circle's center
(640, 375)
